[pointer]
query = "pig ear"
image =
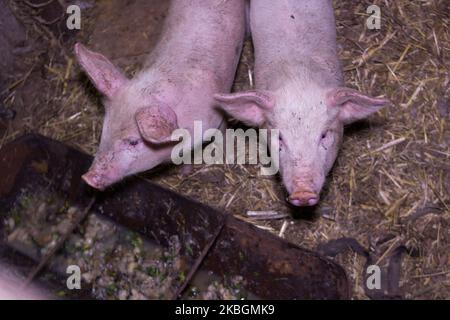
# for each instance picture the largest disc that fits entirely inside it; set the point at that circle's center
(354, 105)
(105, 76)
(248, 107)
(156, 123)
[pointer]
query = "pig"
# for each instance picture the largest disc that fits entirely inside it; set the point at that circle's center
(196, 57)
(299, 91)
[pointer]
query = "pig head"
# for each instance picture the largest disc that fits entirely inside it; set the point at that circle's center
(310, 120)
(136, 128)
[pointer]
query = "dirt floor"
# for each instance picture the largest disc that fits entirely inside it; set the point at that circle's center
(390, 186)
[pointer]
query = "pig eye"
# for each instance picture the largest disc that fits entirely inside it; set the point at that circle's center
(133, 141)
(281, 141)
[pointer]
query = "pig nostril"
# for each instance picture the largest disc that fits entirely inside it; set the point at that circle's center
(298, 200)
(295, 202)
(313, 201)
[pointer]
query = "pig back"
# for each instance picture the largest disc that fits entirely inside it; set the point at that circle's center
(293, 34)
(202, 38)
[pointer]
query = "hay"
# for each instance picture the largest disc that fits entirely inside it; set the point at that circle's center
(390, 168)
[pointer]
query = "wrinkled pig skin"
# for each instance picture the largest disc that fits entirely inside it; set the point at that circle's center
(196, 57)
(299, 90)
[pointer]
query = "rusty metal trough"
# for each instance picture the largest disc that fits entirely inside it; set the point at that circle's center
(272, 267)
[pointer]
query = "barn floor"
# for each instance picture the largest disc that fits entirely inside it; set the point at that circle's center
(390, 186)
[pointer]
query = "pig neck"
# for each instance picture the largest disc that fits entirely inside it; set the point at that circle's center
(273, 72)
(302, 73)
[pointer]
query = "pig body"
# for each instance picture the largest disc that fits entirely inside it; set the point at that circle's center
(196, 56)
(299, 91)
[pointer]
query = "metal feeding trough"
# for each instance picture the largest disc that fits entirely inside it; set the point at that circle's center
(210, 239)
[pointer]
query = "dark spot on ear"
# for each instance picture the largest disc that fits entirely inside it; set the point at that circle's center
(292, 16)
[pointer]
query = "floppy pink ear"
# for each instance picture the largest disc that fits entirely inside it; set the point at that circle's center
(103, 74)
(353, 104)
(156, 123)
(248, 107)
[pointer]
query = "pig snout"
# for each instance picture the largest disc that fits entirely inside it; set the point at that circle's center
(103, 172)
(95, 180)
(305, 192)
(301, 198)
(100, 180)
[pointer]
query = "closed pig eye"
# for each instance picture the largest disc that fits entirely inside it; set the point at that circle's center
(132, 141)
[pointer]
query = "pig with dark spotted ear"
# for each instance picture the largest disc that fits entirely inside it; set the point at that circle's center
(196, 56)
(299, 91)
